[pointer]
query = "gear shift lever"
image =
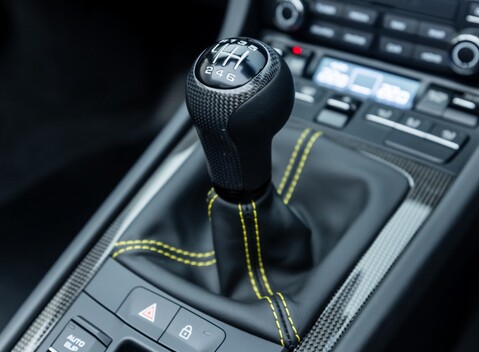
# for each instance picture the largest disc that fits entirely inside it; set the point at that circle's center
(263, 260)
(239, 94)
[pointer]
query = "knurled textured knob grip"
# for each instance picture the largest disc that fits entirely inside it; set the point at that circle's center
(236, 125)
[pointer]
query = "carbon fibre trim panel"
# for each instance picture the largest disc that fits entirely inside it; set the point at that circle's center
(429, 187)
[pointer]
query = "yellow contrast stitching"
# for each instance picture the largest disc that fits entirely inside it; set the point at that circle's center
(258, 246)
(289, 315)
(248, 259)
(210, 205)
(210, 192)
(166, 254)
(276, 319)
(292, 159)
(168, 247)
(251, 276)
(299, 170)
(265, 279)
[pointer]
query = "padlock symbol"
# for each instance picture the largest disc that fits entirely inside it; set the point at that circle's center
(186, 332)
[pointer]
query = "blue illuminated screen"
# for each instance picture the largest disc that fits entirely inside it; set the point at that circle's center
(383, 87)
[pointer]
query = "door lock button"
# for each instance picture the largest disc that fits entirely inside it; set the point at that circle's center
(190, 333)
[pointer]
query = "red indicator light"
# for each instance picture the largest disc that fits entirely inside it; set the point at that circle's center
(297, 50)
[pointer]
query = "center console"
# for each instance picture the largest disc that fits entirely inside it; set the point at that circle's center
(392, 88)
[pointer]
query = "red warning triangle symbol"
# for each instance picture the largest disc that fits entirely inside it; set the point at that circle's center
(149, 313)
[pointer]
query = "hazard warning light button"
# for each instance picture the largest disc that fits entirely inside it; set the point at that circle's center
(147, 312)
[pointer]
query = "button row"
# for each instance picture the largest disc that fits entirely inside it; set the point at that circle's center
(427, 30)
(352, 13)
(168, 323)
(346, 36)
(362, 40)
(417, 125)
(369, 17)
(420, 53)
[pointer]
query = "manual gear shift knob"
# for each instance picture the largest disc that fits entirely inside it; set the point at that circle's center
(239, 94)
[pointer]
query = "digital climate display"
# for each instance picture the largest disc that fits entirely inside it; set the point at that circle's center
(383, 87)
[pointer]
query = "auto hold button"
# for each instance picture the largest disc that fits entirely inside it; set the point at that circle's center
(190, 333)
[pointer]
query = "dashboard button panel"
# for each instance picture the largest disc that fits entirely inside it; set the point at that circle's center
(414, 105)
(445, 44)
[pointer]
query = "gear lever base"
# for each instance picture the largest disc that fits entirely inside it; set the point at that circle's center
(343, 196)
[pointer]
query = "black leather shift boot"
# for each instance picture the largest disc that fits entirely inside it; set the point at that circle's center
(266, 231)
(265, 266)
